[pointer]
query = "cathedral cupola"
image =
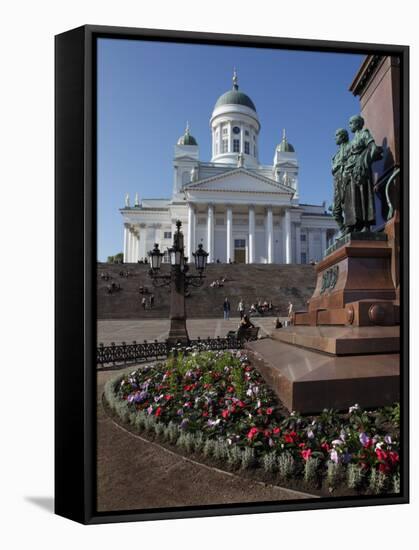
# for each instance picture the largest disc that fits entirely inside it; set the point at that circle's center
(235, 128)
(285, 164)
(187, 139)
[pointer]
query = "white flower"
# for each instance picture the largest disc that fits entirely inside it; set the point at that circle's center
(354, 408)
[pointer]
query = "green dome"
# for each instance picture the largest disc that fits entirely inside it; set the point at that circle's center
(234, 97)
(187, 139)
(284, 146)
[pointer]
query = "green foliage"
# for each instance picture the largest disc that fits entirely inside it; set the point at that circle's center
(335, 474)
(117, 259)
(311, 473)
(286, 465)
(378, 482)
(270, 462)
(354, 476)
(248, 458)
(235, 456)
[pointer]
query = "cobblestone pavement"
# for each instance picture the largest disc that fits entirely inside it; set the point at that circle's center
(118, 330)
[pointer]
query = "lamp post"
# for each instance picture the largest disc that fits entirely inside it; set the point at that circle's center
(179, 280)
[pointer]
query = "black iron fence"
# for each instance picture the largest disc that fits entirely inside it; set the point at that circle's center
(136, 352)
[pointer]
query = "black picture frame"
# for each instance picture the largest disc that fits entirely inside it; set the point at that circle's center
(75, 278)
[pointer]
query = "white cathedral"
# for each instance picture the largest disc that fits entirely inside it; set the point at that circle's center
(240, 210)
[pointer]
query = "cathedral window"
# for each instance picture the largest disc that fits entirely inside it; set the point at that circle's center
(303, 258)
(247, 147)
(225, 131)
(225, 146)
(167, 234)
(254, 151)
(236, 145)
(303, 237)
(246, 133)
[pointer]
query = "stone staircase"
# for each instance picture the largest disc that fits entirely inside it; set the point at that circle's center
(279, 283)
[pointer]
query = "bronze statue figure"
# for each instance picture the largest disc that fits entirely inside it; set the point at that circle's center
(354, 208)
(338, 164)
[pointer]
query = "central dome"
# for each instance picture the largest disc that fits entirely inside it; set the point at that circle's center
(234, 97)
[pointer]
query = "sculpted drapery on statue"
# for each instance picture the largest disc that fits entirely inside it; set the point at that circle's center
(354, 207)
(338, 164)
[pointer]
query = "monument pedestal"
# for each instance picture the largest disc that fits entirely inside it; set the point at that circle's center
(345, 348)
(354, 284)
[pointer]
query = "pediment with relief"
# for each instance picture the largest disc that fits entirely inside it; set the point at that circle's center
(239, 180)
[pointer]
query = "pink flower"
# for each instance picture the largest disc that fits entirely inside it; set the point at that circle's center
(269, 410)
(252, 433)
(225, 413)
(306, 454)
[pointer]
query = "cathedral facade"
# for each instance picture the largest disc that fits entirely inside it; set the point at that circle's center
(238, 209)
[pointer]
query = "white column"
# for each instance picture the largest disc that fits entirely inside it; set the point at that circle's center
(130, 245)
(142, 252)
(269, 233)
(126, 237)
(230, 249)
(210, 233)
(298, 243)
(191, 233)
(251, 234)
(324, 243)
(286, 232)
(136, 247)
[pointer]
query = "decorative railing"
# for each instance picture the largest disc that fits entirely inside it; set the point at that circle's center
(136, 352)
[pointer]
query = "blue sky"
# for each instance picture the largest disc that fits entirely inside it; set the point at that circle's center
(148, 90)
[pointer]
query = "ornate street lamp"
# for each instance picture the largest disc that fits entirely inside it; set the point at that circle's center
(179, 280)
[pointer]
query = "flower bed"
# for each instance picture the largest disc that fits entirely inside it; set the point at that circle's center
(217, 405)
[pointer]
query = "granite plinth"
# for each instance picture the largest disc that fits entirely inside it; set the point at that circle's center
(309, 381)
(342, 340)
(353, 279)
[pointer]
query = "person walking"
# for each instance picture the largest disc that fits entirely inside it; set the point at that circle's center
(144, 302)
(151, 301)
(240, 308)
(290, 312)
(226, 308)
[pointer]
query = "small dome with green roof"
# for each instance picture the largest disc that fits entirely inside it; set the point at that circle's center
(187, 139)
(284, 146)
(234, 97)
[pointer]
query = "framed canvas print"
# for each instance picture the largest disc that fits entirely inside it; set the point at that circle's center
(231, 274)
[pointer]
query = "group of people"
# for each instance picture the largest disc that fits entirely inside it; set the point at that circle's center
(218, 282)
(256, 307)
(113, 287)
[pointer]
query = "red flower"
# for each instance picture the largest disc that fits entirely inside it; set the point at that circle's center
(269, 410)
(381, 455)
(289, 437)
(267, 433)
(252, 433)
(276, 431)
(301, 445)
(167, 397)
(306, 454)
(188, 387)
(260, 410)
(230, 389)
(158, 411)
(225, 413)
(241, 404)
(205, 413)
(393, 457)
(325, 446)
(248, 369)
